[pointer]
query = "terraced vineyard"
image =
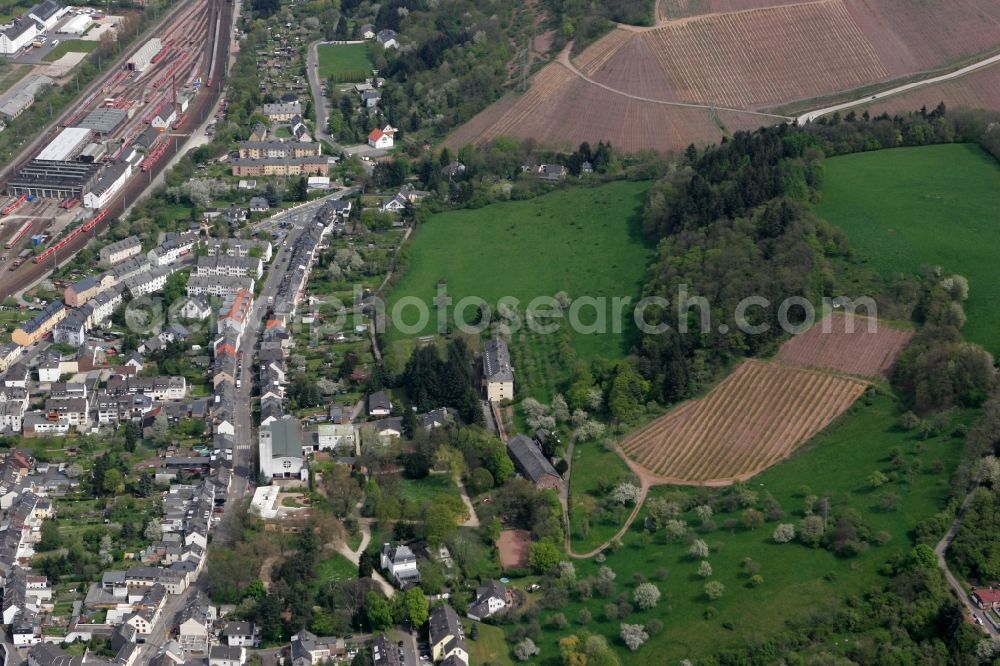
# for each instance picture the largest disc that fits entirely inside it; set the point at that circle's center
(755, 418)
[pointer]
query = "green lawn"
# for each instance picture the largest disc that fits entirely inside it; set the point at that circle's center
(797, 580)
(593, 467)
(912, 207)
(491, 647)
(70, 45)
(421, 491)
(584, 241)
(336, 568)
(345, 61)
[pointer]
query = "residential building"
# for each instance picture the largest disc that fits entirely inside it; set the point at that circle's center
(379, 404)
(217, 286)
(446, 637)
(239, 634)
(382, 138)
(490, 599)
(387, 38)
(385, 652)
(41, 324)
(281, 166)
(400, 563)
(119, 251)
(282, 112)
(226, 655)
(498, 374)
(196, 308)
(222, 265)
(256, 150)
(330, 436)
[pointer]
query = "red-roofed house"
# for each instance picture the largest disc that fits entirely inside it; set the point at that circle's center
(986, 598)
(382, 138)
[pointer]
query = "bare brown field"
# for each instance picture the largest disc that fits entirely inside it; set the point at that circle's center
(561, 110)
(674, 9)
(831, 345)
(748, 59)
(752, 420)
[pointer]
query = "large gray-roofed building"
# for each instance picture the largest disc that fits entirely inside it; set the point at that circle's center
(104, 121)
(532, 463)
(54, 179)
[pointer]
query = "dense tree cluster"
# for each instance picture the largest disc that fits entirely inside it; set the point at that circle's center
(433, 382)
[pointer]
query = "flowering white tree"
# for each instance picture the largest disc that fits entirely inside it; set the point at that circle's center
(698, 549)
(626, 493)
(705, 569)
(634, 635)
(646, 595)
(783, 533)
(526, 649)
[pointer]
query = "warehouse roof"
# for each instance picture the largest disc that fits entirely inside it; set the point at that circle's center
(104, 121)
(65, 144)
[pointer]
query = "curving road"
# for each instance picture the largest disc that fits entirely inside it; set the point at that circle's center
(958, 73)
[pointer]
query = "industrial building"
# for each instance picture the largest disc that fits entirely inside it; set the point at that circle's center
(57, 180)
(104, 121)
(112, 180)
(66, 145)
(144, 56)
(93, 152)
(22, 95)
(20, 33)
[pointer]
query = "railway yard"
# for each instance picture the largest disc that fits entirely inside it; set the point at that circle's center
(101, 155)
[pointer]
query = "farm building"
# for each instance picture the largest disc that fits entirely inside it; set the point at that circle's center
(21, 96)
(142, 58)
(53, 179)
(112, 180)
(47, 14)
(104, 121)
(66, 145)
(20, 33)
(532, 463)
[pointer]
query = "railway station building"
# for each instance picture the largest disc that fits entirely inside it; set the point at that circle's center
(54, 179)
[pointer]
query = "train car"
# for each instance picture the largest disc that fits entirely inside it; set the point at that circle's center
(19, 234)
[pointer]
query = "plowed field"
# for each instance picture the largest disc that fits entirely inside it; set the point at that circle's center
(832, 345)
(755, 418)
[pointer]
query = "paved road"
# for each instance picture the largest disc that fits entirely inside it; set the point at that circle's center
(813, 115)
(940, 549)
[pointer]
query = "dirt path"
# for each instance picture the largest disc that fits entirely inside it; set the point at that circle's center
(565, 61)
(473, 520)
(646, 481)
(940, 549)
(364, 524)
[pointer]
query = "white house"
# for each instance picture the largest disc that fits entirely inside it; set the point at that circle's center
(401, 563)
(387, 38)
(490, 599)
(332, 435)
(226, 655)
(382, 138)
(239, 634)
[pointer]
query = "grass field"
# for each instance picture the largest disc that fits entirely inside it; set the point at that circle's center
(490, 648)
(593, 467)
(585, 241)
(421, 491)
(336, 568)
(344, 60)
(797, 580)
(68, 46)
(912, 207)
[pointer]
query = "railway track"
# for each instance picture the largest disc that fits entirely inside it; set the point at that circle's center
(204, 50)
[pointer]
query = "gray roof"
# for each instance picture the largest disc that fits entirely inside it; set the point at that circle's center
(286, 438)
(529, 459)
(444, 622)
(496, 361)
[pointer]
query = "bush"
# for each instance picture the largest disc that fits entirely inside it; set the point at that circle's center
(714, 590)
(646, 595)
